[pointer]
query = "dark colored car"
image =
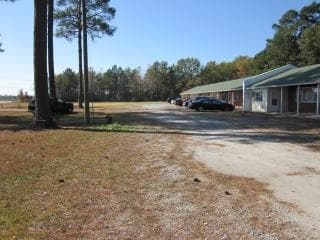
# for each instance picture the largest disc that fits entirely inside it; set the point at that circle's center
(195, 99)
(178, 102)
(57, 105)
(211, 104)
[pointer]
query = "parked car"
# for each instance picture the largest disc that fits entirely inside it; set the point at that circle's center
(190, 100)
(178, 101)
(57, 105)
(211, 104)
(185, 101)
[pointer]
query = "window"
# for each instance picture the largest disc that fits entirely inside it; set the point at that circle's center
(309, 94)
(274, 97)
(274, 102)
(216, 101)
(258, 96)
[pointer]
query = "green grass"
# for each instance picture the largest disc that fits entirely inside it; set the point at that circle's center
(119, 105)
(116, 127)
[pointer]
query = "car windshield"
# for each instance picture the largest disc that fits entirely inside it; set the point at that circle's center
(198, 98)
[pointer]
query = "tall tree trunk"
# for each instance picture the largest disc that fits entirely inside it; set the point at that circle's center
(52, 85)
(85, 63)
(43, 116)
(80, 95)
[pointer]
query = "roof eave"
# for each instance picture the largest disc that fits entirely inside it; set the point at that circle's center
(284, 85)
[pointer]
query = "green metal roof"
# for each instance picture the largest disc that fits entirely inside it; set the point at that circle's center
(237, 84)
(296, 76)
(217, 87)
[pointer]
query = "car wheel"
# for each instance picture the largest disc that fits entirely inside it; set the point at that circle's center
(226, 108)
(200, 108)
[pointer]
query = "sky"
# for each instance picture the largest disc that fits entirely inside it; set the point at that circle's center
(147, 31)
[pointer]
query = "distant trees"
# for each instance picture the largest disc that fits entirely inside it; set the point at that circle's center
(156, 79)
(67, 85)
(187, 71)
(295, 40)
(159, 81)
(309, 45)
(23, 96)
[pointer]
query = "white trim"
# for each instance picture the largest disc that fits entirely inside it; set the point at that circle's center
(286, 85)
(239, 89)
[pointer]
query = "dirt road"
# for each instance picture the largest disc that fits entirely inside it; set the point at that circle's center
(281, 152)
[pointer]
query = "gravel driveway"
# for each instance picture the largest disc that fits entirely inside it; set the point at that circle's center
(281, 151)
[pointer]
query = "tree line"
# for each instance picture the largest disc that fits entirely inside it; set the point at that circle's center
(296, 40)
(160, 81)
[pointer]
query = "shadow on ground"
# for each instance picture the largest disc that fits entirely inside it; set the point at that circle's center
(245, 128)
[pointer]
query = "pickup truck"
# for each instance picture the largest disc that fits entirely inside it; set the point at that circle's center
(57, 105)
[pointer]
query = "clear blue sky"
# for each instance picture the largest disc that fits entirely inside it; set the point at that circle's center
(148, 30)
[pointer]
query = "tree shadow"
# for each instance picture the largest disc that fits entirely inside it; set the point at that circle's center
(244, 128)
(15, 123)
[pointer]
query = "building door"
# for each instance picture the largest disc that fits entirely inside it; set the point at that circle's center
(274, 100)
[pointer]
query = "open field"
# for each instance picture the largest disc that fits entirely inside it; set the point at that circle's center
(158, 172)
(13, 105)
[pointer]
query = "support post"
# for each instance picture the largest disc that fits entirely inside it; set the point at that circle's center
(232, 98)
(281, 99)
(318, 99)
(298, 100)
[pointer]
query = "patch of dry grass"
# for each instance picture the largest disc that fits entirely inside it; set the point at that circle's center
(13, 105)
(57, 183)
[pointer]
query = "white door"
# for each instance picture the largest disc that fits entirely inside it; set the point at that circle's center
(274, 100)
